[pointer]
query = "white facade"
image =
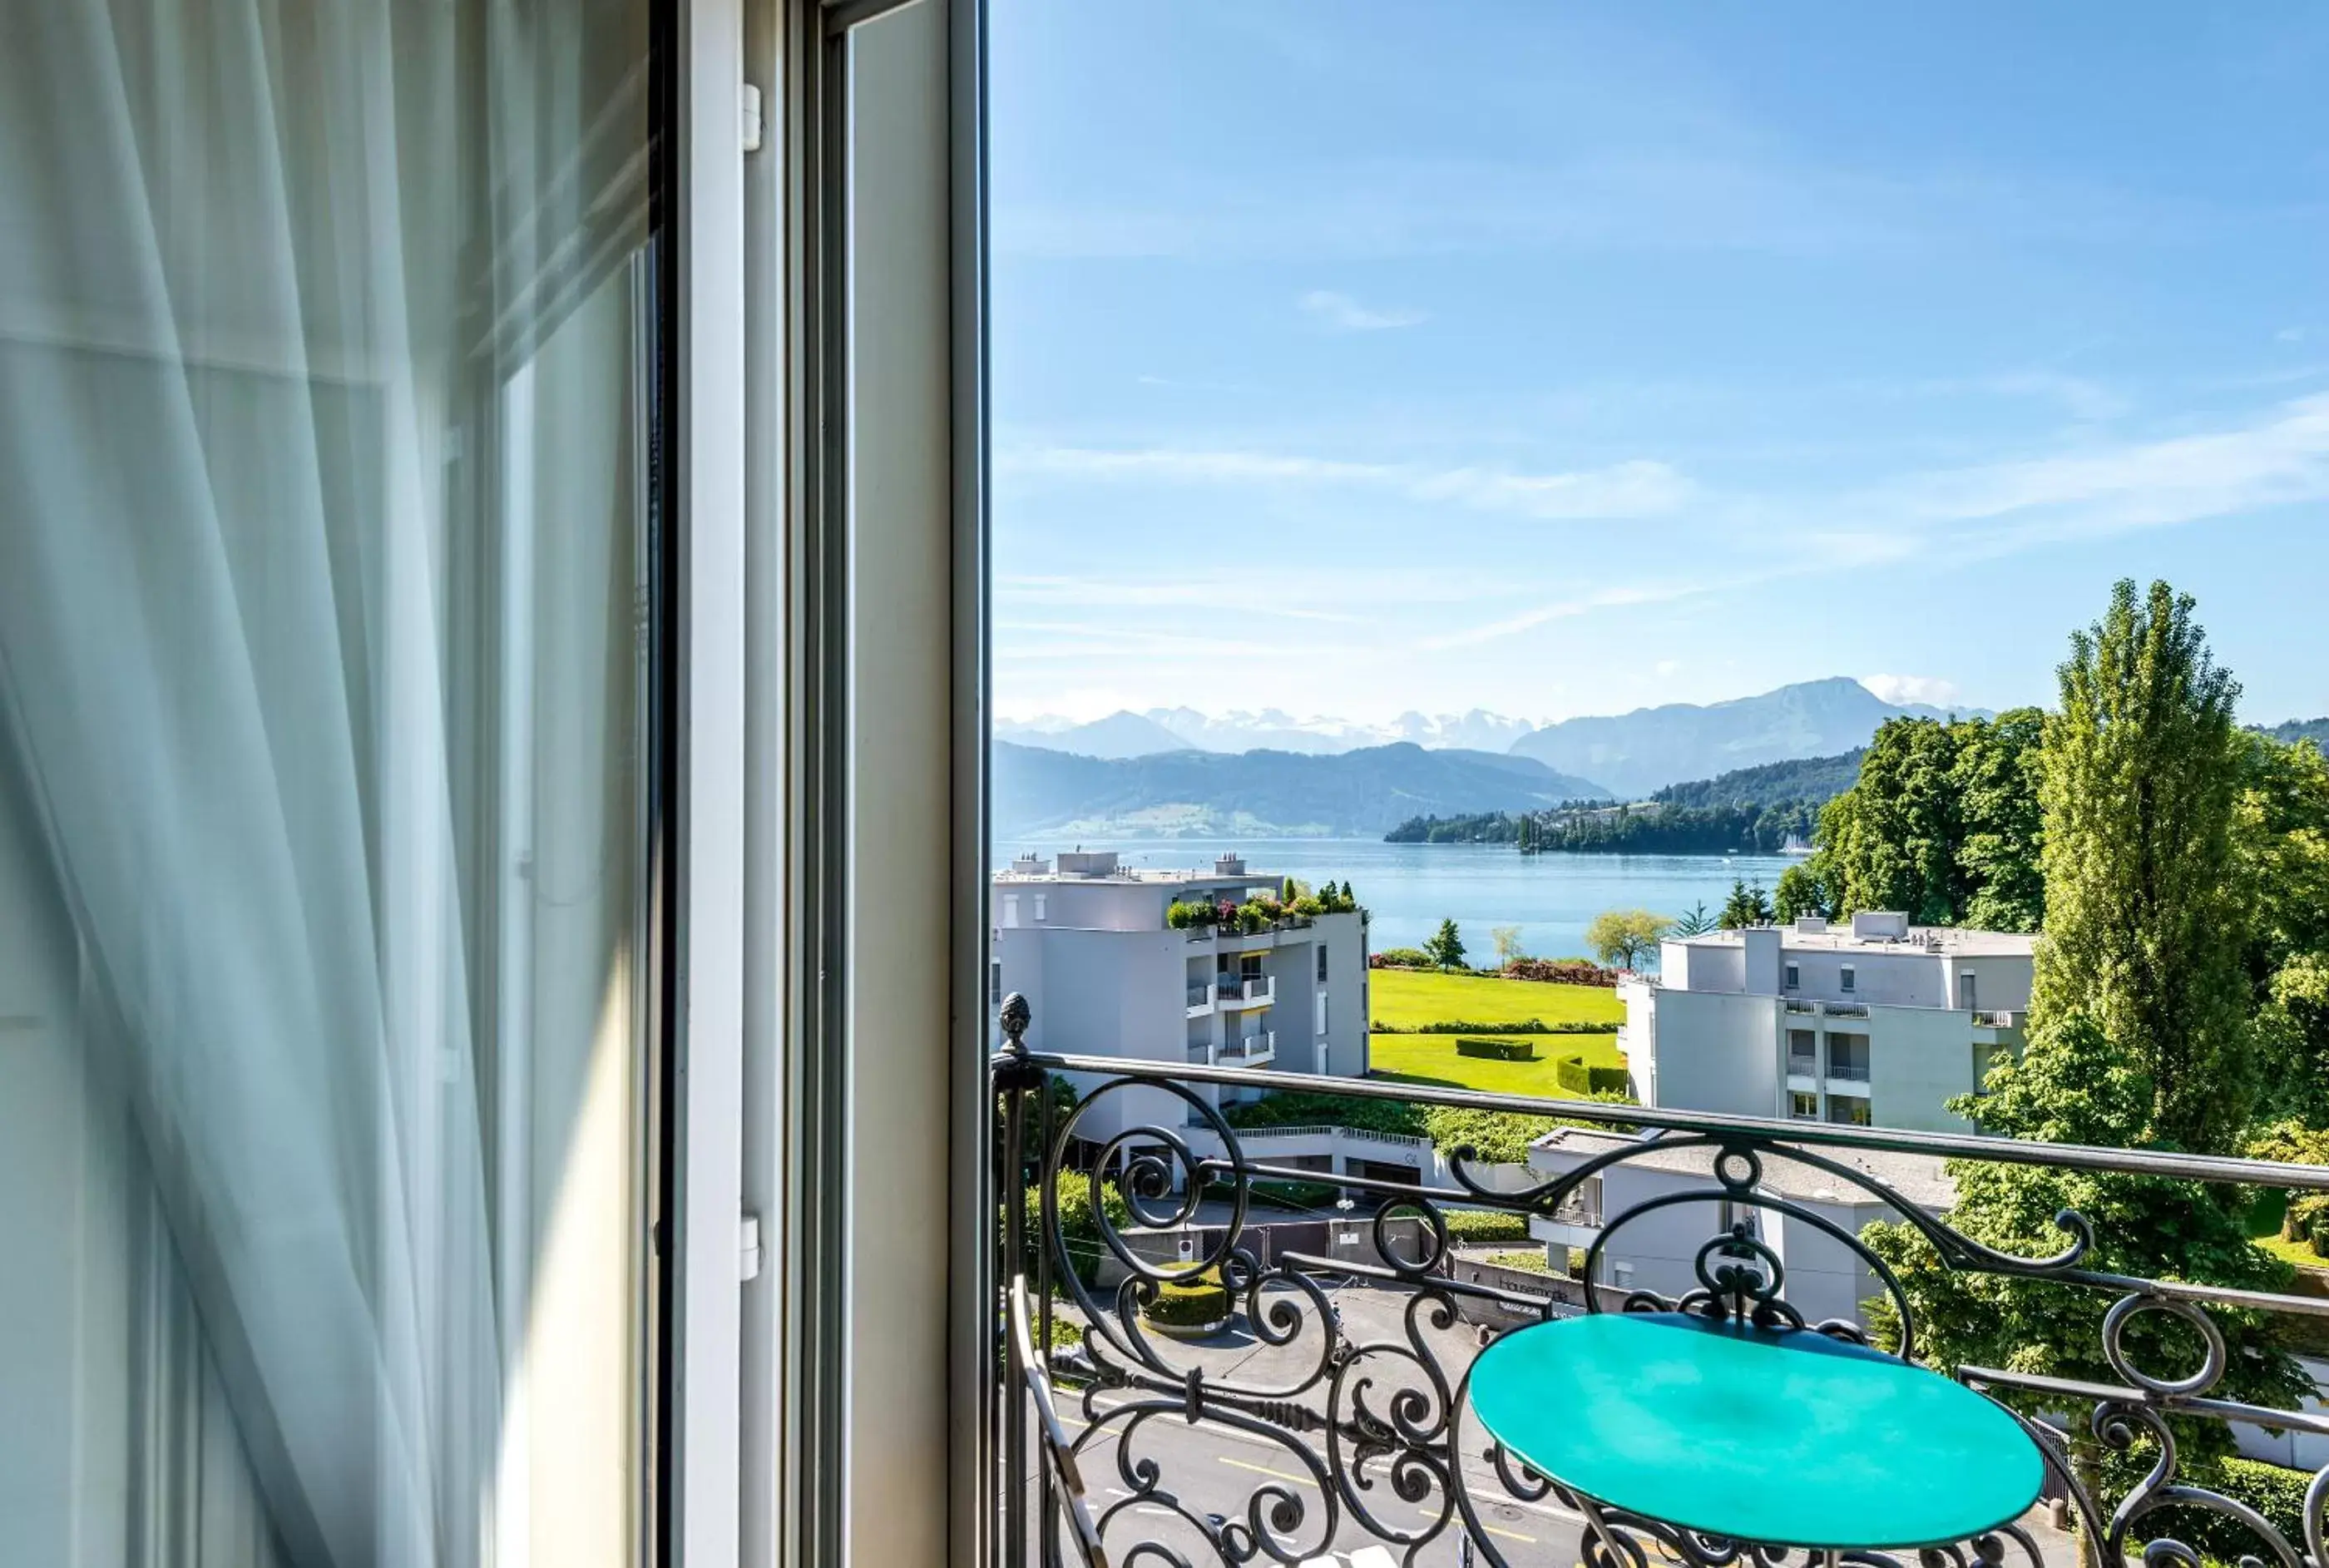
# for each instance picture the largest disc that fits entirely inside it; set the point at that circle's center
(1085, 942)
(1880, 1024)
(1658, 1250)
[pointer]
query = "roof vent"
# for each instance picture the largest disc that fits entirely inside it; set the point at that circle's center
(1088, 862)
(1030, 864)
(1879, 926)
(1811, 925)
(1231, 864)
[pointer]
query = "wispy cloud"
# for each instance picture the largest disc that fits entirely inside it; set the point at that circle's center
(2290, 335)
(1636, 488)
(1899, 689)
(2284, 457)
(1340, 313)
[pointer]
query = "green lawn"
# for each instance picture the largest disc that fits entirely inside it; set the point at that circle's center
(1410, 998)
(1403, 998)
(1432, 1058)
(2264, 1230)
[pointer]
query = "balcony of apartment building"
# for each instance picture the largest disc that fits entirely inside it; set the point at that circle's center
(1236, 993)
(1251, 1049)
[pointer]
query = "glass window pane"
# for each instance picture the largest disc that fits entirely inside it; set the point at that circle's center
(325, 422)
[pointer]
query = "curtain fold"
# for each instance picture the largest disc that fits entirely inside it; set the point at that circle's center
(317, 650)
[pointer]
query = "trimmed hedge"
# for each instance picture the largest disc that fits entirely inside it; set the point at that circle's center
(1302, 1109)
(1575, 1076)
(1203, 1299)
(1518, 1027)
(1401, 959)
(1497, 1049)
(1485, 1225)
(1531, 1261)
(1284, 1194)
(2275, 1492)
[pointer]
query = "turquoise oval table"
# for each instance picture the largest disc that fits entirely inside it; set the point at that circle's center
(1782, 1437)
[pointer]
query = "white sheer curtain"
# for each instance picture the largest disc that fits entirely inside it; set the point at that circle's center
(322, 544)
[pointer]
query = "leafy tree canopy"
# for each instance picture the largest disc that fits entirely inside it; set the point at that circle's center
(2138, 1034)
(1446, 946)
(1624, 937)
(1943, 824)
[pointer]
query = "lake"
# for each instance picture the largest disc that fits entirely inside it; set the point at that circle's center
(1410, 888)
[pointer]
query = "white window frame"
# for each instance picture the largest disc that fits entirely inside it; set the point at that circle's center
(1847, 979)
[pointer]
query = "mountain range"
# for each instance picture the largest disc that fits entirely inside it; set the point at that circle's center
(1260, 793)
(1632, 754)
(1626, 754)
(1125, 733)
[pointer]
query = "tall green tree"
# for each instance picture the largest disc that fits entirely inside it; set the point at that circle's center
(1746, 906)
(1798, 894)
(2138, 1030)
(2147, 908)
(1446, 947)
(2284, 844)
(1943, 824)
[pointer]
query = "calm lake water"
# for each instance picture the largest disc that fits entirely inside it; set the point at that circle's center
(1410, 888)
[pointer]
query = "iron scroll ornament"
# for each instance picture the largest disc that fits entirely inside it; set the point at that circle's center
(1364, 1422)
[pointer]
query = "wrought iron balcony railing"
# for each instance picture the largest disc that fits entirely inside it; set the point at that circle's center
(1326, 1419)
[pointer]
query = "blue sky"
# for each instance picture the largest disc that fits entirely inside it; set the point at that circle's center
(1574, 358)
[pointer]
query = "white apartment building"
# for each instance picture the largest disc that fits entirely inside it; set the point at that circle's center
(1657, 1249)
(1085, 940)
(1880, 1024)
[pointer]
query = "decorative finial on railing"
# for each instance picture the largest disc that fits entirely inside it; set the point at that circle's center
(1012, 1068)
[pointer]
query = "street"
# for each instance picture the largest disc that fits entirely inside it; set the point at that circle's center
(1218, 1469)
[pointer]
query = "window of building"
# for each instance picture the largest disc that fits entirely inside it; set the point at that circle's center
(994, 983)
(1847, 981)
(1322, 963)
(1803, 1106)
(1848, 1109)
(1011, 910)
(1795, 977)
(1847, 1057)
(1322, 1013)
(1039, 906)
(1802, 1051)
(1966, 992)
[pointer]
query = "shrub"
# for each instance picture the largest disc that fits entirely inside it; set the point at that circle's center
(1529, 1262)
(1307, 905)
(1560, 972)
(1485, 1225)
(1302, 1110)
(1189, 1303)
(1284, 1195)
(1503, 1137)
(1258, 914)
(2272, 1491)
(1401, 959)
(1297, 1195)
(1499, 1050)
(1182, 916)
(1519, 1027)
(1078, 1231)
(1578, 1078)
(1497, 1137)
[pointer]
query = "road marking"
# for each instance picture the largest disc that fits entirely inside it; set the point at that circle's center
(1514, 1536)
(1265, 1470)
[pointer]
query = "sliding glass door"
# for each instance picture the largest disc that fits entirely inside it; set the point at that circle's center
(331, 604)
